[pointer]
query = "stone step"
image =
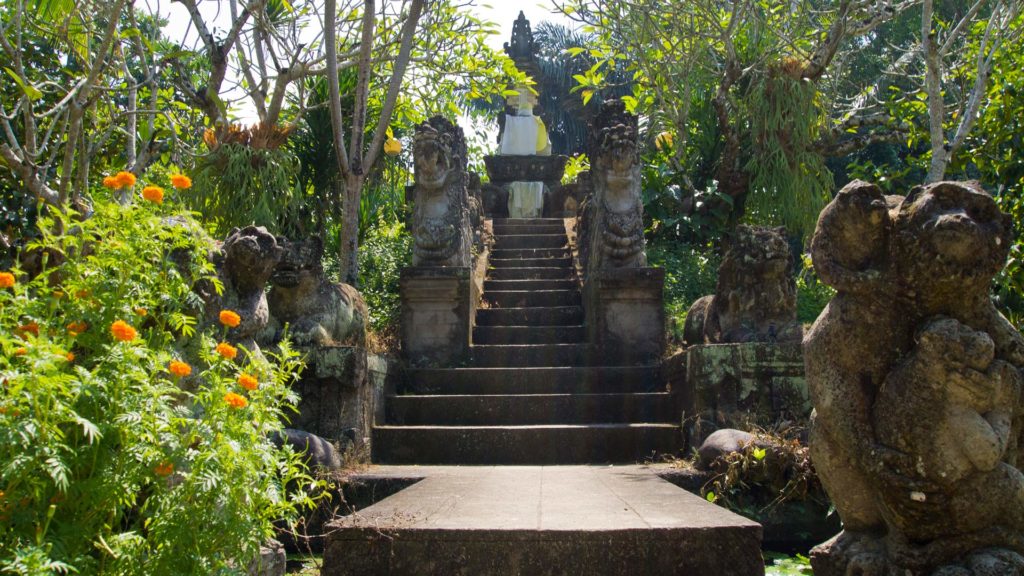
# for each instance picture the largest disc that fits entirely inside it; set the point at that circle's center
(554, 316)
(513, 355)
(531, 285)
(529, 335)
(530, 241)
(545, 444)
(528, 222)
(563, 380)
(533, 253)
(504, 230)
(499, 263)
(530, 409)
(532, 298)
(537, 273)
(541, 521)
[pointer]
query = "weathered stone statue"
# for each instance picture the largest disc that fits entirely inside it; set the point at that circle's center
(317, 311)
(611, 224)
(441, 228)
(916, 382)
(244, 263)
(755, 299)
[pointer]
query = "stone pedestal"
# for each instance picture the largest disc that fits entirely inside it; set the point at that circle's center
(625, 315)
(731, 385)
(342, 393)
(437, 307)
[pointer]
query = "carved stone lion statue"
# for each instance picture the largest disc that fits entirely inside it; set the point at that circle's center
(611, 227)
(755, 299)
(915, 380)
(441, 228)
(245, 262)
(317, 311)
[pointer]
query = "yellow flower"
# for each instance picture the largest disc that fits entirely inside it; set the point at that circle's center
(227, 350)
(122, 331)
(392, 147)
(179, 369)
(124, 179)
(230, 318)
(235, 400)
(164, 469)
(248, 381)
(7, 280)
(154, 194)
(180, 181)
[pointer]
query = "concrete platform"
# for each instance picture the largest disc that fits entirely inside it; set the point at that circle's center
(541, 521)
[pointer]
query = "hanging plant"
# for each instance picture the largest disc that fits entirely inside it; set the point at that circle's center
(246, 178)
(789, 183)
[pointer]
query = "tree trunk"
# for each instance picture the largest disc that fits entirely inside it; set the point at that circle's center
(348, 245)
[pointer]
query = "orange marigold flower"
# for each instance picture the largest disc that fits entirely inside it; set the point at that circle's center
(70, 356)
(164, 469)
(122, 331)
(230, 318)
(124, 179)
(27, 328)
(76, 328)
(179, 368)
(111, 182)
(20, 351)
(154, 194)
(180, 181)
(235, 400)
(7, 280)
(248, 381)
(227, 350)
(140, 311)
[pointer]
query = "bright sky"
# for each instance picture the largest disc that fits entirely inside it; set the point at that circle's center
(503, 12)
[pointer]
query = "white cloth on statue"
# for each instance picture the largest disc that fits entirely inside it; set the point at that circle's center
(519, 137)
(525, 199)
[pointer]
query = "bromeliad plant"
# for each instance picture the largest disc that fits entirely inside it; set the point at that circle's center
(128, 443)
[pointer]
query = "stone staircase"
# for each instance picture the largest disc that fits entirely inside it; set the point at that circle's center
(532, 392)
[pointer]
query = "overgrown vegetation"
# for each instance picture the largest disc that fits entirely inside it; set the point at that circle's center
(123, 426)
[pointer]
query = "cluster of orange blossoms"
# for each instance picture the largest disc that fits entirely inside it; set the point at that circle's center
(7, 280)
(164, 469)
(230, 318)
(235, 400)
(122, 331)
(227, 350)
(152, 193)
(248, 381)
(179, 368)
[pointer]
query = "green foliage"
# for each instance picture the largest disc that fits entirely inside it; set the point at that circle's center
(783, 565)
(236, 185)
(690, 272)
(812, 295)
(385, 251)
(789, 182)
(109, 464)
(676, 212)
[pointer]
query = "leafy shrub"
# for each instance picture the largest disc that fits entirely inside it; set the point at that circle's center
(111, 460)
(812, 295)
(385, 251)
(690, 272)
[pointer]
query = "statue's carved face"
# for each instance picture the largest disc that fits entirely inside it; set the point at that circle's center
(762, 250)
(434, 161)
(299, 264)
(952, 230)
(251, 254)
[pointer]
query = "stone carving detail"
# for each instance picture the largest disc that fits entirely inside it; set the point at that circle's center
(244, 263)
(441, 228)
(317, 311)
(611, 227)
(916, 382)
(755, 299)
